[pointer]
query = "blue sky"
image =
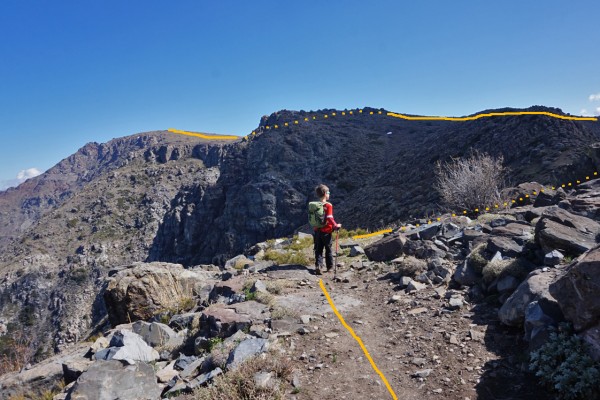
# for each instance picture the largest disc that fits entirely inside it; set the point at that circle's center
(72, 72)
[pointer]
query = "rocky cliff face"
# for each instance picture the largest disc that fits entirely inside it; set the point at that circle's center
(163, 197)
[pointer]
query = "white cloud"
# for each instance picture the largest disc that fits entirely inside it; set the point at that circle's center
(598, 110)
(28, 173)
(595, 97)
(22, 176)
(584, 112)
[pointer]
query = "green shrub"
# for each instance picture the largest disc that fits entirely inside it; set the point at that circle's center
(563, 365)
(300, 244)
(348, 234)
(285, 257)
(213, 342)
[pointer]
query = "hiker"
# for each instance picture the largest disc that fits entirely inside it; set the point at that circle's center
(321, 219)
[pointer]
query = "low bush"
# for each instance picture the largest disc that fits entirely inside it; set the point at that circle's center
(563, 365)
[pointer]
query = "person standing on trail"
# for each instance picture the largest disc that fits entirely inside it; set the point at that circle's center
(323, 230)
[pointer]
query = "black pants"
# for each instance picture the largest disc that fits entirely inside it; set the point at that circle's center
(323, 240)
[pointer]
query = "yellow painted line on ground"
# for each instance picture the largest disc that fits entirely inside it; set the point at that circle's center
(367, 235)
(204, 135)
(494, 114)
(355, 336)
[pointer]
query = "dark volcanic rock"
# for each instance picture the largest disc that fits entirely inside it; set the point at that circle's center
(558, 229)
(577, 291)
(387, 248)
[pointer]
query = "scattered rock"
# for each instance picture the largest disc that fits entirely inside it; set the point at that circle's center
(245, 350)
(553, 258)
(113, 380)
(356, 251)
(157, 334)
(424, 373)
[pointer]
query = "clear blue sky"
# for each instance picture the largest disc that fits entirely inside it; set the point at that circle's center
(72, 72)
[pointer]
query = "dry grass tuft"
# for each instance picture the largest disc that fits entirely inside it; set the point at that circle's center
(239, 384)
(411, 266)
(477, 258)
(499, 268)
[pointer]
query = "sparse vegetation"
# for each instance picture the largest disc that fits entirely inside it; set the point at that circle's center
(470, 183)
(213, 342)
(344, 234)
(282, 312)
(300, 244)
(284, 257)
(240, 384)
(500, 268)
(477, 258)
(563, 365)
(411, 266)
(15, 350)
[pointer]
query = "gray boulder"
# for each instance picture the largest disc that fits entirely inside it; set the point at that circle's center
(577, 291)
(536, 325)
(245, 350)
(553, 258)
(108, 380)
(535, 287)
(128, 346)
(356, 251)
(507, 283)
(140, 291)
(217, 320)
(424, 232)
(505, 245)
(387, 248)
(465, 274)
(157, 334)
(186, 321)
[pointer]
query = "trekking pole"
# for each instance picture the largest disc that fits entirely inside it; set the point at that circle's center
(337, 235)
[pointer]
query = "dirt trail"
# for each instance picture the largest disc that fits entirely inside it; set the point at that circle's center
(424, 349)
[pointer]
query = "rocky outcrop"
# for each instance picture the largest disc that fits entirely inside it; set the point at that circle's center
(578, 291)
(558, 229)
(140, 291)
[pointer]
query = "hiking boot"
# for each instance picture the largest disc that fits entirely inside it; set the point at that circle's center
(318, 272)
(329, 269)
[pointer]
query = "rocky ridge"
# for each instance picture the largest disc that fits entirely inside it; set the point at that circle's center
(445, 309)
(170, 198)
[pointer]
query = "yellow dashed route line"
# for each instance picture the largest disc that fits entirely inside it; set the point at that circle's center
(493, 114)
(355, 336)
(204, 135)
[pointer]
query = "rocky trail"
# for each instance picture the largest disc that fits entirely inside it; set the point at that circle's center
(424, 347)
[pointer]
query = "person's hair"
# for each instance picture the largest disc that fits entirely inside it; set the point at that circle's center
(321, 190)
